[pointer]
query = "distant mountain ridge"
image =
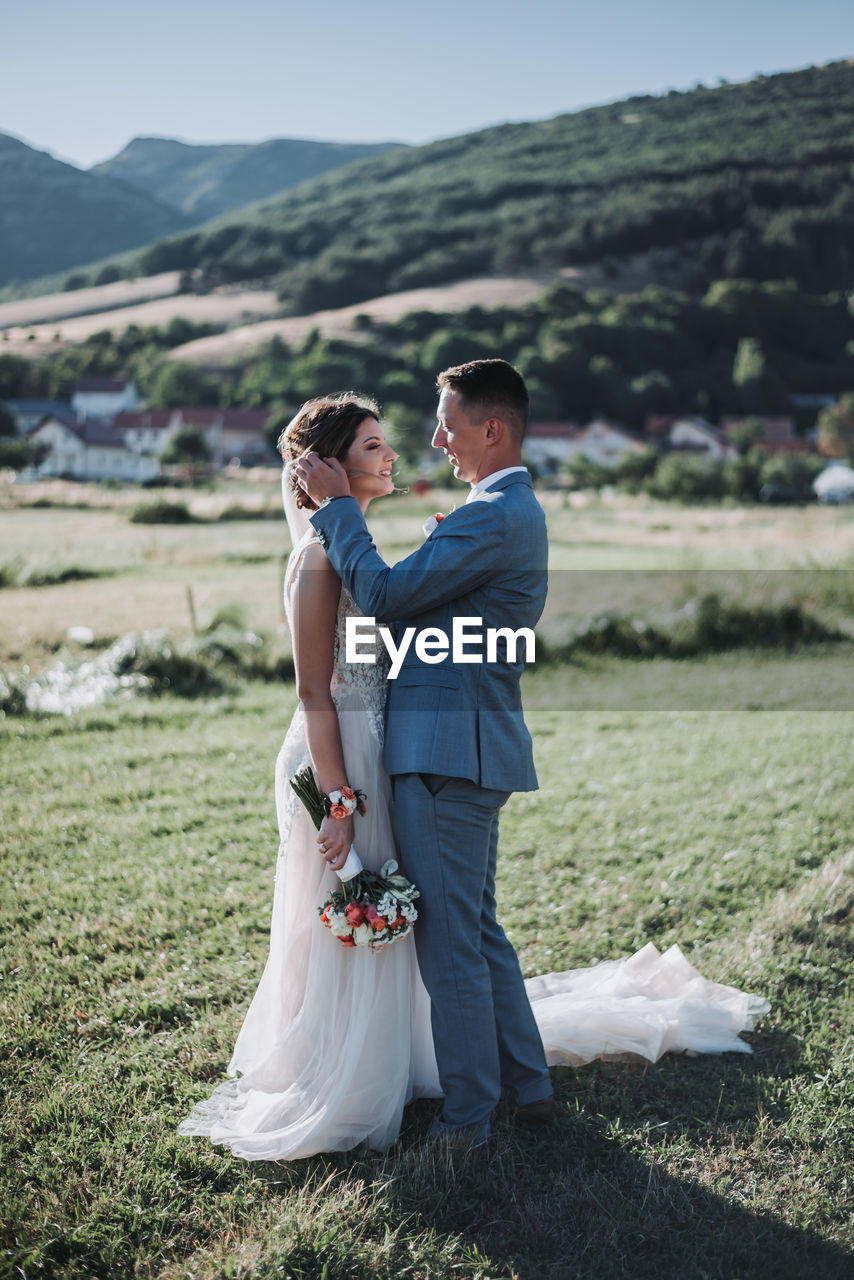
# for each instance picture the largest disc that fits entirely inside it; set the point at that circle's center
(203, 180)
(748, 180)
(54, 216)
(752, 180)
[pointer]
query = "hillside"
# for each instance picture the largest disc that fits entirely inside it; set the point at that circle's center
(742, 180)
(203, 181)
(54, 216)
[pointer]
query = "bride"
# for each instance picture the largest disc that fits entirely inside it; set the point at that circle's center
(337, 1041)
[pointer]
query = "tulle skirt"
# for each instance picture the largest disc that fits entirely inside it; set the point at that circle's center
(337, 1040)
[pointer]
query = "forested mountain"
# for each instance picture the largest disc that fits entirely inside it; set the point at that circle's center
(54, 216)
(203, 181)
(748, 180)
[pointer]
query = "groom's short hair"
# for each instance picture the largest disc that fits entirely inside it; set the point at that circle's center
(493, 386)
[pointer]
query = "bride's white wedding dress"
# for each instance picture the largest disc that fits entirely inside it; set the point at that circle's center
(337, 1040)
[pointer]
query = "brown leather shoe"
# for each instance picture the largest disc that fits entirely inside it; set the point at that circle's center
(536, 1113)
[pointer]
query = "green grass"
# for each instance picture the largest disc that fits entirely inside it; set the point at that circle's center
(633, 553)
(139, 843)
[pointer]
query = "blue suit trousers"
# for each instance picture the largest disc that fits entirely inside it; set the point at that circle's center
(485, 1035)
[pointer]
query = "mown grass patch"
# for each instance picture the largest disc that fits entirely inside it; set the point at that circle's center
(605, 558)
(139, 844)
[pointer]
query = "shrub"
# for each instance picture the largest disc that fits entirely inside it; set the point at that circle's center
(741, 478)
(166, 664)
(789, 477)
(712, 625)
(36, 577)
(687, 478)
(162, 512)
(586, 474)
(634, 470)
(705, 625)
(13, 695)
(238, 512)
(10, 573)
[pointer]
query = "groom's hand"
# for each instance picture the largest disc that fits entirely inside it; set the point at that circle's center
(322, 479)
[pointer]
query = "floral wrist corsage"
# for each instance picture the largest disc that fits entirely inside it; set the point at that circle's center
(338, 804)
(343, 802)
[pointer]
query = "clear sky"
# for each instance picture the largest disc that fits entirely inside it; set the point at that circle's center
(81, 78)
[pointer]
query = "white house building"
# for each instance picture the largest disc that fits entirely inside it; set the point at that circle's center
(696, 435)
(232, 435)
(146, 431)
(105, 397)
(548, 444)
(89, 451)
(604, 442)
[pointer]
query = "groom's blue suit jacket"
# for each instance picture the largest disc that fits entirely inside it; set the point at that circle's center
(486, 560)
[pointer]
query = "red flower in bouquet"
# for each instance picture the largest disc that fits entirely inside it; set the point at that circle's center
(374, 918)
(372, 910)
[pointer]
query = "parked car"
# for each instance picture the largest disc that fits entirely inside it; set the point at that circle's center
(835, 484)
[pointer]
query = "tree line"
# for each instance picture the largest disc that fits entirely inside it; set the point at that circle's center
(743, 348)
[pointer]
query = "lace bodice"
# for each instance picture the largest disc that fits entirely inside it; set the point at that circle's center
(367, 679)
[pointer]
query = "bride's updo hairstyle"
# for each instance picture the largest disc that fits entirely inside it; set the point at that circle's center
(328, 426)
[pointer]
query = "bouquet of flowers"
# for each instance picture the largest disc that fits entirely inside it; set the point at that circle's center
(372, 908)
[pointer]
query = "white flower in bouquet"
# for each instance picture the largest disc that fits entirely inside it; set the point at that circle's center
(387, 906)
(371, 909)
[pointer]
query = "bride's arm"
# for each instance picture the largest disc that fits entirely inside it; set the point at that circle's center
(315, 609)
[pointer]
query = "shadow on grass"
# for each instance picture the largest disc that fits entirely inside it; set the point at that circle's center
(596, 1199)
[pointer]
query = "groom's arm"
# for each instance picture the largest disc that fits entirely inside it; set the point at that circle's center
(459, 556)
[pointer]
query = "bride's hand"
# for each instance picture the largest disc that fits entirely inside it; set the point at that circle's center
(334, 839)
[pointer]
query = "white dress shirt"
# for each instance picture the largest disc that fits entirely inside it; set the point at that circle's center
(488, 481)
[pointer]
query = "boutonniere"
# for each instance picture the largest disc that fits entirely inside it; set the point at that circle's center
(432, 522)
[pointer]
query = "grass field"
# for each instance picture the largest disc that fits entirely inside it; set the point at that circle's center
(233, 562)
(139, 844)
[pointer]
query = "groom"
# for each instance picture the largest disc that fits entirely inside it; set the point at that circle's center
(456, 744)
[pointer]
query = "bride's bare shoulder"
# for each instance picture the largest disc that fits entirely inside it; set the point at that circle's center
(314, 580)
(314, 557)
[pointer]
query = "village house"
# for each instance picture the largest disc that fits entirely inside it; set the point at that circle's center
(604, 442)
(549, 444)
(696, 435)
(146, 431)
(234, 436)
(89, 450)
(690, 434)
(105, 397)
(778, 436)
(29, 413)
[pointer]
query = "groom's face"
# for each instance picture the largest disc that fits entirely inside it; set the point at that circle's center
(461, 436)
